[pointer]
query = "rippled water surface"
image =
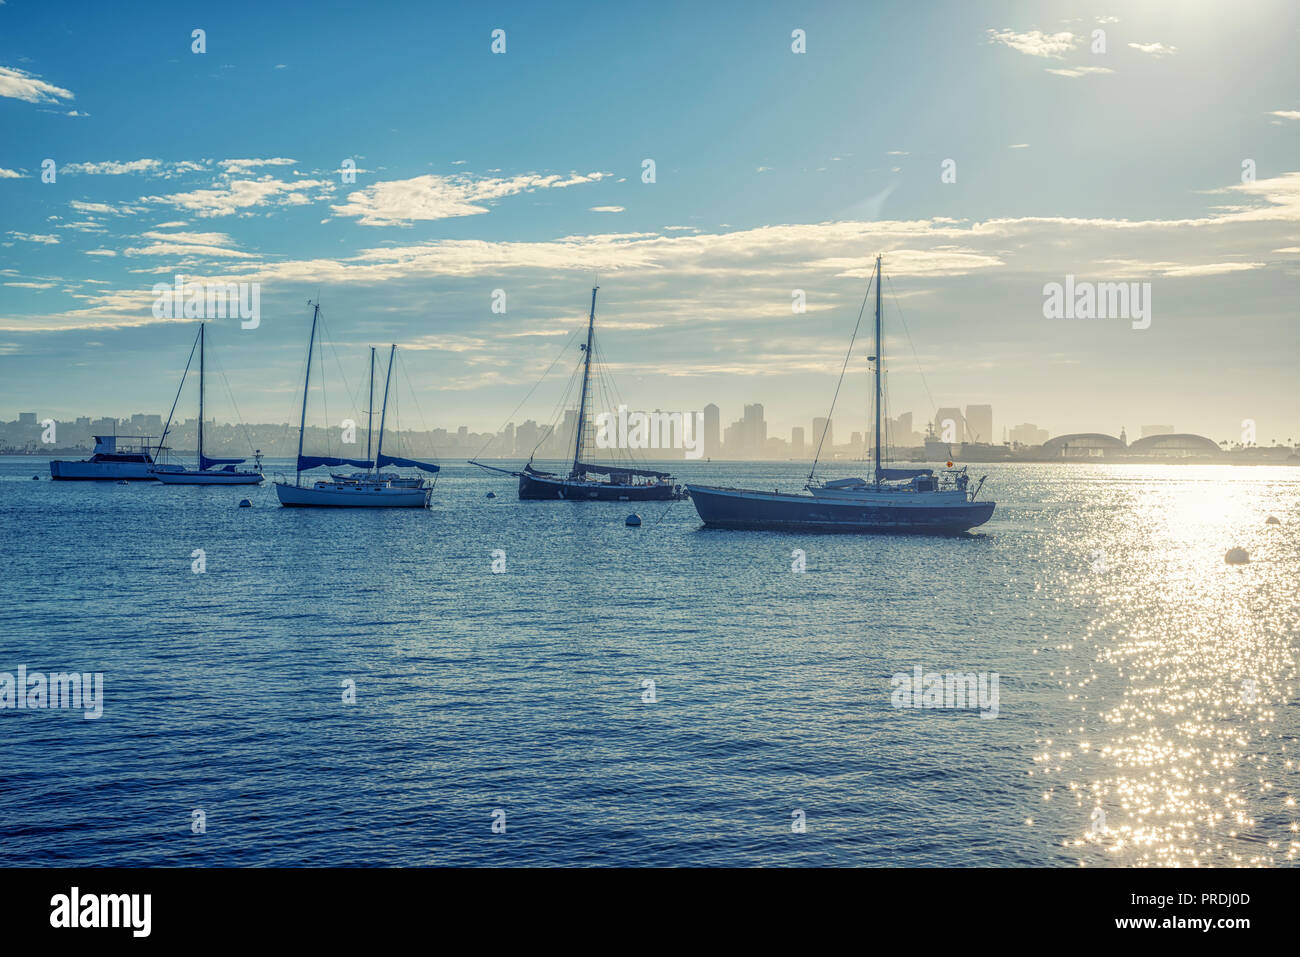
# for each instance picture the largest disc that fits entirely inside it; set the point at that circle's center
(1147, 711)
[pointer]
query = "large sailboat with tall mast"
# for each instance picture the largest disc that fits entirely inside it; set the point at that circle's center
(210, 471)
(371, 488)
(588, 481)
(892, 500)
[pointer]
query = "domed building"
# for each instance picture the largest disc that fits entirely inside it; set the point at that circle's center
(1083, 445)
(1179, 445)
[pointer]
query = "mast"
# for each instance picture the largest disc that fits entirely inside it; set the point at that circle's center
(203, 327)
(879, 279)
(384, 412)
(302, 422)
(586, 376)
(370, 406)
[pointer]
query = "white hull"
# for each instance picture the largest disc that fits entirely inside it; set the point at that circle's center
(194, 477)
(101, 471)
(328, 495)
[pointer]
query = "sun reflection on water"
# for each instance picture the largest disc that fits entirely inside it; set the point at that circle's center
(1185, 749)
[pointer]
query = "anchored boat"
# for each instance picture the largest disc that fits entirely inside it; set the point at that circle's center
(115, 457)
(588, 481)
(210, 471)
(368, 489)
(892, 500)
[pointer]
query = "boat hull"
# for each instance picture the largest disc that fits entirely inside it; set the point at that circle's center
(357, 496)
(752, 509)
(191, 477)
(541, 488)
(101, 471)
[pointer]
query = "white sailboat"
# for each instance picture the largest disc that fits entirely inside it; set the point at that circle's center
(369, 489)
(210, 471)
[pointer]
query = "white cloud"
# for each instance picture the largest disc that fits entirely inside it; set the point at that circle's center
(35, 238)
(10, 174)
(31, 285)
(213, 245)
(1035, 42)
(243, 194)
(607, 209)
(1286, 114)
(1078, 71)
(100, 252)
(151, 167)
(1018, 146)
(21, 85)
(401, 202)
(1155, 49)
(244, 165)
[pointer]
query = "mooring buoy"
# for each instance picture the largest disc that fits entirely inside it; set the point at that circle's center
(245, 503)
(633, 520)
(1237, 556)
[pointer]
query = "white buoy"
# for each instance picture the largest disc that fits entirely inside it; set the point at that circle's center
(1237, 556)
(633, 520)
(1272, 520)
(245, 503)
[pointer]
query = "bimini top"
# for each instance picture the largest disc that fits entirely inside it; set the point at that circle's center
(108, 444)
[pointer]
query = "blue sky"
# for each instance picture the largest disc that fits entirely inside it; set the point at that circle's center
(775, 171)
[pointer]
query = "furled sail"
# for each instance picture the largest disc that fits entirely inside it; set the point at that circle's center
(306, 462)
(207, 462)
(620, 470)
(383, 459)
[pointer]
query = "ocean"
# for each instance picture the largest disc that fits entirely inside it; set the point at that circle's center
(362, 688)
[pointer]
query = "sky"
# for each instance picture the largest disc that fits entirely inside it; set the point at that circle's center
(985, 150)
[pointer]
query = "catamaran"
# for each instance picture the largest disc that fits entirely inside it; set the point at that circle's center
(588, 481)
(892, 500)
(210, 471)
(371, 488)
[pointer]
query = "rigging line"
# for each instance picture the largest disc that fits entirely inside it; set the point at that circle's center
(933, 408)
(407, 380)
(221, 371)
(845, 366)
(515, 410)
(558, 413)
(167, 427)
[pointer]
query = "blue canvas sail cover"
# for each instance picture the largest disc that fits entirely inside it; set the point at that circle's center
(306, 462)
(401, 463)
(899, 474)
(206, 463)
(620, 470)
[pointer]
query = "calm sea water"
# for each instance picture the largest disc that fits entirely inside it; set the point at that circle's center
(1147, 708)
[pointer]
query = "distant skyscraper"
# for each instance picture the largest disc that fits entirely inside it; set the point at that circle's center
(712, 430)
(979, 423)
(950, 425)
(820, 424)
(1028, 434)
(754, 433)
(796, 442)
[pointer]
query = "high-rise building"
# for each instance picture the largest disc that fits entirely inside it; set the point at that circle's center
(754, 433)
(822, 424)
(950, 425)
(979, 424)
(796, 442)
(1028, 434)
(712, 430)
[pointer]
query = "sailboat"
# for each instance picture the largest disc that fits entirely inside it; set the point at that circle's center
(892, 500)
(210, 471)
(587, 481)
(369, 489)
